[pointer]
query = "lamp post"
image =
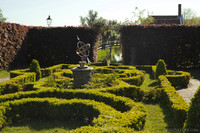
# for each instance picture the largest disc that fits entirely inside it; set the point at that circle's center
(49, 21)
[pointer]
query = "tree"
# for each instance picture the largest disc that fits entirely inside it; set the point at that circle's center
(190, 16)
(92, 20)
(2, 19)
(142, 16)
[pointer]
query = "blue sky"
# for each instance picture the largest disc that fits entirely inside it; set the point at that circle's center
(68, 12)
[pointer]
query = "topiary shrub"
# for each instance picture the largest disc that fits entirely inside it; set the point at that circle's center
(193, 122)
(35, 67)
(161, 68)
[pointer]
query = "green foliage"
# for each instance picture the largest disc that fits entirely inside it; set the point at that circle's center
(140, 18)
(190, 17)
(4, 73)
(63, 109)
(173, 100)
(109, 107)
(161, 68)
(179, 79)
(51, 81)
(15, 84)
(102, 80)
(193, 122)
(35, 67)
(2, 18)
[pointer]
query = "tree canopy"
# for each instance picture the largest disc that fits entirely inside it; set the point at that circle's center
(190, 17)
(2, 18)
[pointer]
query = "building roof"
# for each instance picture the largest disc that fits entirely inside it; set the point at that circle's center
(168, 19)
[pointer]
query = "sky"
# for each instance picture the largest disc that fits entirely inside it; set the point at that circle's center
(68, 12)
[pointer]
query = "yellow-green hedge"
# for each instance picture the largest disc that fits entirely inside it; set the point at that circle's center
(124, 105)
(173, 100)
(15, 84)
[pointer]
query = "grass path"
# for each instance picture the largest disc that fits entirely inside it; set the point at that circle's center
(159, 119)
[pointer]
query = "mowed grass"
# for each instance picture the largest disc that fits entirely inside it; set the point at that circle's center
(42, 126)
(4, 73)
(159, 118)
(149, 83)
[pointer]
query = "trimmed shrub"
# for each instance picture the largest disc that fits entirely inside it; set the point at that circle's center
(173, 100)
(180, 79)
(193, 122)
(134, 116)
(35, 67)
(15, 84)
(161, 68)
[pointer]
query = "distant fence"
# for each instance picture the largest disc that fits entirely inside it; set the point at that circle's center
(108, 44)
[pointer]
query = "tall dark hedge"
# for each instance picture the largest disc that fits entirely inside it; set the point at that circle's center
(178, 45)
(12, 37)
(19, 45)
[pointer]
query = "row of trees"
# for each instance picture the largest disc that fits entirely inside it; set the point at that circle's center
(109, 29)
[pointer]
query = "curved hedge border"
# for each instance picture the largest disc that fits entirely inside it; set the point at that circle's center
(15, 84)
(178, 79)
(126, 105)
(173, 100)
(134, 114)
(51, 108)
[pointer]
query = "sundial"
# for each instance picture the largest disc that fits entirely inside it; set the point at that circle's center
(82, 74)
(83, 51)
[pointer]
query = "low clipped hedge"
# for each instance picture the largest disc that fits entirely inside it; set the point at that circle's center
(15, 84)
(173, 100)
(179, 79)
(128, 74)
(193, 122)
(50, 70)
(125, 105)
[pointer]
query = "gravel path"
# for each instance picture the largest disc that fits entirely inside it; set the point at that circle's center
(188, 93)
(4, 79)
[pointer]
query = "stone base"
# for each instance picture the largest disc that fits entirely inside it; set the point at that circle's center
(81, 76)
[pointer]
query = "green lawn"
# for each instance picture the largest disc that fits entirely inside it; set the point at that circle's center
(149, 83)
(159, 119)
(4, 73)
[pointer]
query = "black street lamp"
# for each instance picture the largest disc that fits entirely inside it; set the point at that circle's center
(49, 21)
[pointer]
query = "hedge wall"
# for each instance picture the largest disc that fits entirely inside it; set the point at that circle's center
(19, 45)
(173, 100)
(56, 45)
(12, 37)
(178, 45)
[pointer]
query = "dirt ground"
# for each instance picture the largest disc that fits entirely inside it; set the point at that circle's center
(4, 79)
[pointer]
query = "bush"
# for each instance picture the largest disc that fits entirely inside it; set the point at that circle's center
(193, 115)
(161, 68)
(180, 79)
(35, 67)
(173, 100)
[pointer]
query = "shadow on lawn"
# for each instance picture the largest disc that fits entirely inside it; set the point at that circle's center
(52, 126)
(172, 126)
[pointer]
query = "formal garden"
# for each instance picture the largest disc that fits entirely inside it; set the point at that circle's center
(120, 97)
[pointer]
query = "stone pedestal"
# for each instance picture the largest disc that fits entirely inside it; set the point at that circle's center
(81, 75)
